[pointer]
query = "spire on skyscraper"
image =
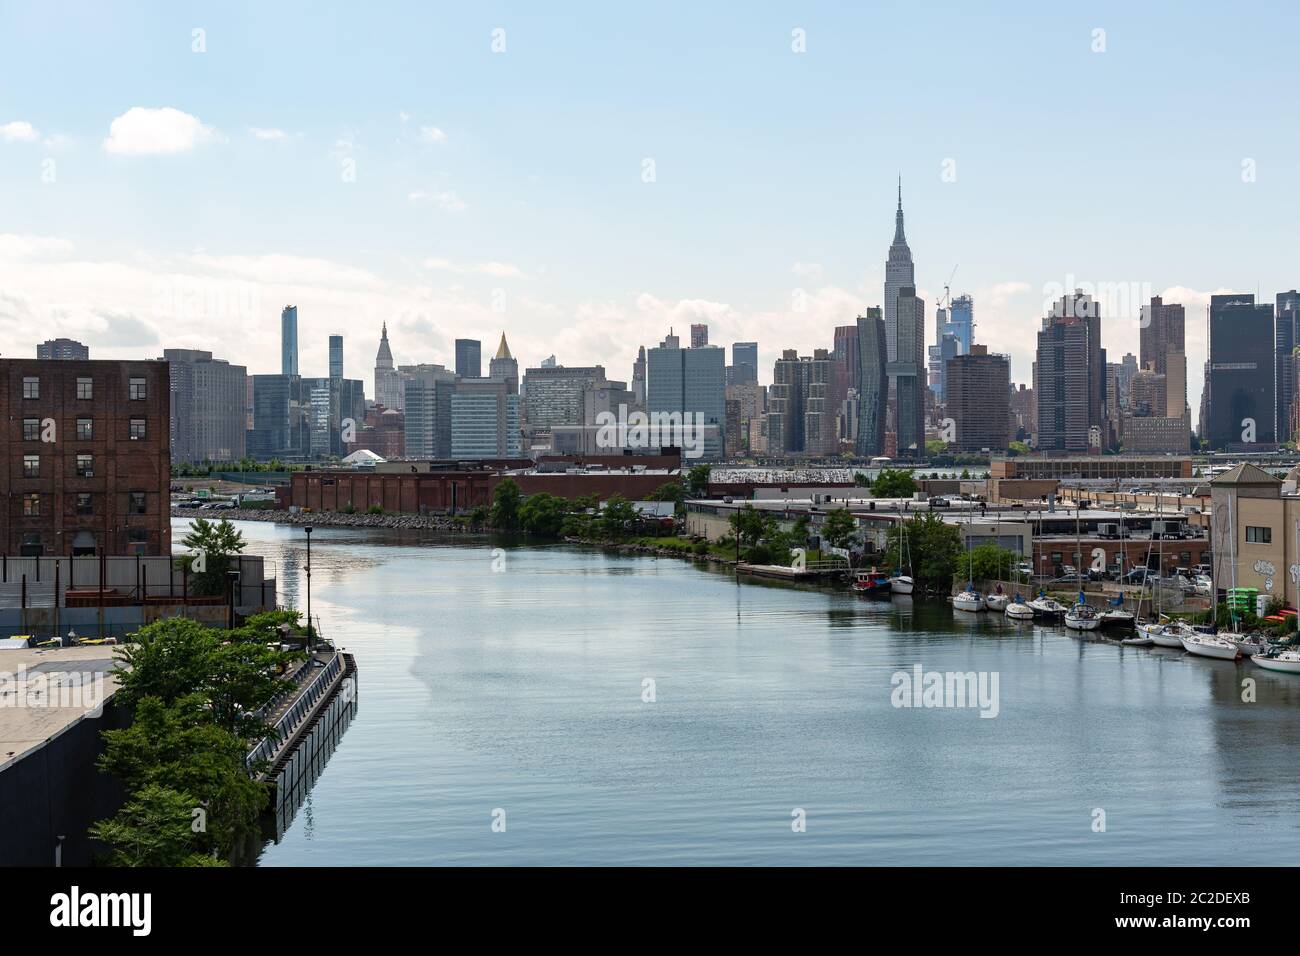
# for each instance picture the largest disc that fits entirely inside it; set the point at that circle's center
(503, 350)
(899, 238)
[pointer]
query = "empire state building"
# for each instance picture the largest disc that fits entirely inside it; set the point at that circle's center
(899, 273)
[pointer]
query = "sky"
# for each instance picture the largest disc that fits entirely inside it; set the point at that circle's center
(585, 176)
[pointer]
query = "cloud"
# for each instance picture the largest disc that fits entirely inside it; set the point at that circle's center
(19, 131)
(14, 246)
(431, 134)
(122, 330)
(268, 134)
(498, 270)
(807, 270)
(142, 131)
(447, 200)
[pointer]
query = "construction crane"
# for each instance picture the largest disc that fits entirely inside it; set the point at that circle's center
(947, 291)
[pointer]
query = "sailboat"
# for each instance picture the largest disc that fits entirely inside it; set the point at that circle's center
(1083, 616)
(1045, 606)
(1288, 662)
(1115, 615)
(999, 599)
(1018, 610)
(969, 599)
(900, 583)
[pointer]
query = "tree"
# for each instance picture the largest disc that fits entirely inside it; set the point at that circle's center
(618, 517)
(697, 481)
(505, 505)
(934, 546)
(935, 447)
(839, 527)
(1017, 448)
(860, 480)
(543, 514)
(154, 828)
(749, 525)
(798, 535)
(673, 491)
(894, 483)
(988, 562)
(213, 544)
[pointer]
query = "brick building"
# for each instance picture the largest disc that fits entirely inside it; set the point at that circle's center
(88, 457)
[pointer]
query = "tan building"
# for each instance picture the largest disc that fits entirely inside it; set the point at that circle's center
(1256, 531)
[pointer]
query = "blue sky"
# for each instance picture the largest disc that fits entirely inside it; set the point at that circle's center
(505, 190)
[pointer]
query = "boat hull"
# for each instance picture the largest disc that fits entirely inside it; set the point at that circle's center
(1226, 651)
(1273, 664)
(902, 585)
(1141, 641)
(961, 603)
(997, 602)
(1081, 623)
(1020, 612)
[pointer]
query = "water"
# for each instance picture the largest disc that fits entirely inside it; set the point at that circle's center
(522, 691)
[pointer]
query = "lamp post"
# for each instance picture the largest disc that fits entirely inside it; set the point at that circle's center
(307, 528)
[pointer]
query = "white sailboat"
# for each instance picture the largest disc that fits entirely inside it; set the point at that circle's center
(1083, 616)
(969, 599)
(1018, 610)
(901, 583)
(1207, 645)
(1044, 606)
(1288, 662)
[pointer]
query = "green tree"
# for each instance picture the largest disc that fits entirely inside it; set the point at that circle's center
(214, 546)
(505, 505)
(839, 527)
(934, 547)
(1017, 448)
(894, 483)
(798, 535)
(987, 562)
(935, 447)
(673, 491)
(749, 525)
(697, 481)
(543, 514)
(154, 828)
(618, 518)
(860, 480)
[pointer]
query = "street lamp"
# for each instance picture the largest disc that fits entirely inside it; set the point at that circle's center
(308, 529)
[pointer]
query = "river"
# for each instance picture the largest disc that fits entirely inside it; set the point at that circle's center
(510, 683)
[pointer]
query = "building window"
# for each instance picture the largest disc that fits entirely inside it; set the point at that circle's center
(85, 466)
(85, 388)
(137, 390)
(85, 504)
(31, 466)
(31, 506)
(31, 546)
(137, 540)
(137, 429)
(31, 387)
(85, 429)
(136, 505)
(31, 429)
(1257, 535)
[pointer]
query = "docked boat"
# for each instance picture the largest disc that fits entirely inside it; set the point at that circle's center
(872, 583)
(1137, 640)
(968, 601)
(1018, 610)
(1044, 606)
(1165, 633)
(1115, 615)
(1206, 645)
(900, 584)
(1082, 617)
(1288, 662)
(1248, 644)
(997, 601)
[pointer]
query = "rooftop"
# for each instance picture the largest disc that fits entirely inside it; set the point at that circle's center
(44, 691)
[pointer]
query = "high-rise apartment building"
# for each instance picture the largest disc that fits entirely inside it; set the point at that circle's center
(52, 349)
(872, 384)
(281, 429)
(744, 363)
(428, 402)
(336, 356)
(484, 420)
(553, 396)
(289, 340)
(978, 386)
(699, 335)
(208, 421)
(1163, 330)
(1070, 377)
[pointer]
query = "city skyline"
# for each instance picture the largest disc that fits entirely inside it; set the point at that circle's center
(441, 225)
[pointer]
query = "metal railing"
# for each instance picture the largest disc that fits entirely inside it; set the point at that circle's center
(291, 718)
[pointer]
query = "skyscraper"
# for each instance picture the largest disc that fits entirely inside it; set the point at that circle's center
(289, 340)
(699, 335)
(1286, 338)
(469, 358)
(638, 378)
(207, 407)
(336, 356)
(899, 273)
(1070, 377)
(978, 387)
(1163, 330)
(1240, 381)
(961, 322)
(388, 381)
(504, 367)
(689, 382)
(907, 373)
(62, 349)
(744, 363)
(873, 383)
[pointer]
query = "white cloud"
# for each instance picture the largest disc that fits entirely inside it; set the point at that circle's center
(447, 200)
(497, 270)
(19, 131)
(14, 246)
(807, 270)
(142, 131)
(268, 134)
(431, 134)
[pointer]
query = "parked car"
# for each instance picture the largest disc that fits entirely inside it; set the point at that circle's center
(1135, 576)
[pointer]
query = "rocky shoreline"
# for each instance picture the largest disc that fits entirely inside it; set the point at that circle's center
(333, 519)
